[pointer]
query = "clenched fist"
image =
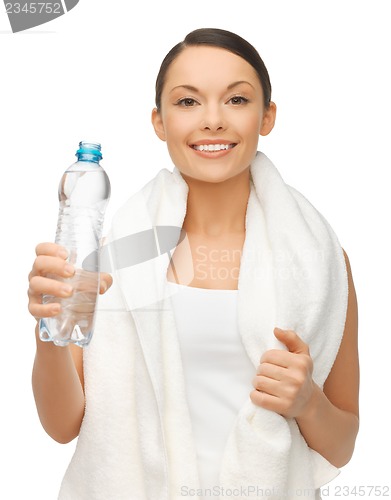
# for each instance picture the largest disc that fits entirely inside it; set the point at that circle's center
(283, 381)
(49, 264)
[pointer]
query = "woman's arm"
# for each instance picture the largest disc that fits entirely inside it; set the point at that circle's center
(57, 378)
(58, 390)
(328, 419)
(331, 421)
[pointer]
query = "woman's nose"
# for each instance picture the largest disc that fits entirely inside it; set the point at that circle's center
(213, 119)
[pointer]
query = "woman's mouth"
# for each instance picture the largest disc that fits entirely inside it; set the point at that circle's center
(211, 148)
(213, 151)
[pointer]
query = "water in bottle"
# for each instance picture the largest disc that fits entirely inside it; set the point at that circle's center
(84, 192)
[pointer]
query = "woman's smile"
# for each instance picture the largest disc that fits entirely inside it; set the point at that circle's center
(212, 149)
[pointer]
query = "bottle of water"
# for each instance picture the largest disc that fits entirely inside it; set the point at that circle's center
(84, 192)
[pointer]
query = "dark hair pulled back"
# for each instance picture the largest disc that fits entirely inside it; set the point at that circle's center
(215, 37)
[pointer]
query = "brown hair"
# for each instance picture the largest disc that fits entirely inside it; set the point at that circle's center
(215, 37)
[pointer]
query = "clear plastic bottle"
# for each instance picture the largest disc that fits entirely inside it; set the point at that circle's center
(84, 192)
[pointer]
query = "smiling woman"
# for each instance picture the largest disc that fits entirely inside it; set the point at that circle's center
(190, 381)
(211, 103)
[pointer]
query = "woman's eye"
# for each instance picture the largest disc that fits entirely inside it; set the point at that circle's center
(187, 102)
(238, 99)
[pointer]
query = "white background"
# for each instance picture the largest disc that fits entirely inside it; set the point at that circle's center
(90, 74)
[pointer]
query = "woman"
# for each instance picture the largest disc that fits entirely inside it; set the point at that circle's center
(213, 100)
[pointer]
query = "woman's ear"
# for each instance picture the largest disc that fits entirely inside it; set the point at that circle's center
(157, 123)
(269, 119)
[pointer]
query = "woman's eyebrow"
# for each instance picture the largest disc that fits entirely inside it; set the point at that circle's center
(187, 87)
(194, 89)
(235, 84)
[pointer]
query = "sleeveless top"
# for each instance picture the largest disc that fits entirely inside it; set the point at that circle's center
(217, 370)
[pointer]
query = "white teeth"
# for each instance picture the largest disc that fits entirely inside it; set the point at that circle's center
(212, 147)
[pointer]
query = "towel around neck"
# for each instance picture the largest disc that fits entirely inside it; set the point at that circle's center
(136, 438)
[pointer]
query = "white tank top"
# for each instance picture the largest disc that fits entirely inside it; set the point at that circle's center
(217, 370)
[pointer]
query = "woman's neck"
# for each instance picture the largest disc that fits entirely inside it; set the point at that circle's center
(216, 209)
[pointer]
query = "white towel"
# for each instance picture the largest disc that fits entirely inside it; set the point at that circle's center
(136, 439)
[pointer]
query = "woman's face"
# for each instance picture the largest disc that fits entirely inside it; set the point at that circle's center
(212, 113)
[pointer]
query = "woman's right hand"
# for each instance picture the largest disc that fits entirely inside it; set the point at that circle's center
(52, 260)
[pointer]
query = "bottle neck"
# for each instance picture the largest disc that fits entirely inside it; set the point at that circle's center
(88, 157)
(89, 151)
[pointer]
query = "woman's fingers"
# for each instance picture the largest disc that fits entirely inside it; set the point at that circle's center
(46, 264)
(49, 263)
(40, 285)
(39, 310)
(272, 371)
(51, 259)
(52, 249)
(106, 280)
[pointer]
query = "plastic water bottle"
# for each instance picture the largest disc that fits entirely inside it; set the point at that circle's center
(84, 192)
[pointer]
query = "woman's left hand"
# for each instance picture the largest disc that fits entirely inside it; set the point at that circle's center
(284, 381)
